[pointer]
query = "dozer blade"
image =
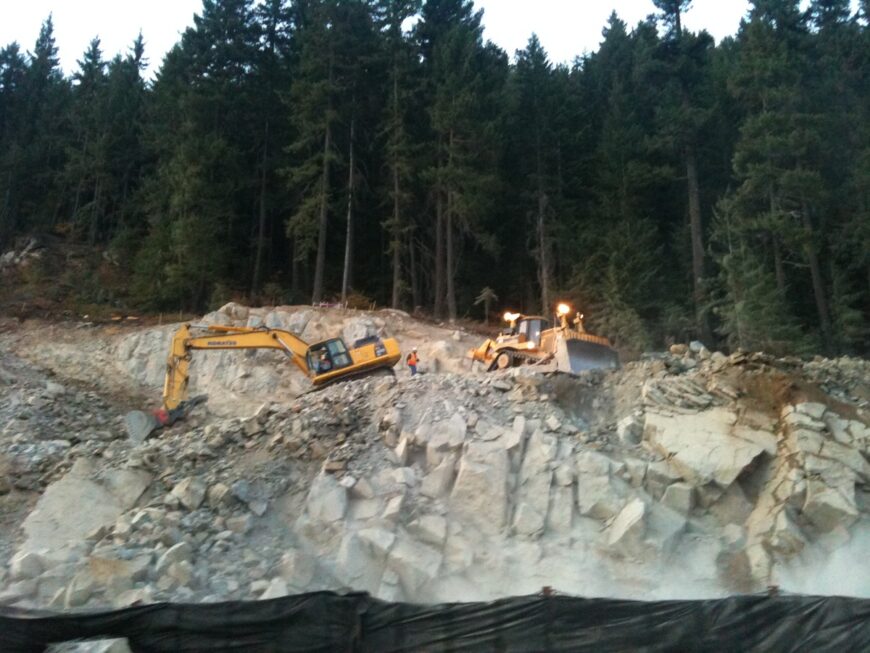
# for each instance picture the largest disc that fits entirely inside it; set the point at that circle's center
(575, 356)
(140, 425)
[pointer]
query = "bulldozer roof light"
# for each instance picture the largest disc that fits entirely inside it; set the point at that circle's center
(511, 317)
(563, 309)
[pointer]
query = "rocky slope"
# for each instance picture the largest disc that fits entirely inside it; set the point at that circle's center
(685, 474)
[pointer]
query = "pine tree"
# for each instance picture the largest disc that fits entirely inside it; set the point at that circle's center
(754, 315)
(398, 53)
(780, 188)
(13, 75)
(312, 153)
(538, 154)
(683, 111)
(43, 137)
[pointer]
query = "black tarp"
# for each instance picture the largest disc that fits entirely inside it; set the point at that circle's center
(324, 621)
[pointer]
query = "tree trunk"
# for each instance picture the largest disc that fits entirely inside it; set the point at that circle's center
(448, 233)
(397, 242)
(777, 264)
(397, 224)
(777, 254)
(95, 215)
(818, 283)
(320, 262)
(412, 270)
(348, 242)
(697, 235)
(294, 269)
(543, 254)
(439, 253)
(261, 227)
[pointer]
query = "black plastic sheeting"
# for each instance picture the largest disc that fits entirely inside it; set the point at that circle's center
(324, 621)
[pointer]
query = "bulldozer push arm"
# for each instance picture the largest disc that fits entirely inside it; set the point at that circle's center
(223, 337)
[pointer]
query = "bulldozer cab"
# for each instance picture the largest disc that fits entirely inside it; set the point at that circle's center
(328, 355)
(529, 329)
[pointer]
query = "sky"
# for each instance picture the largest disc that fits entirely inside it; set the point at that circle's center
(566, 28)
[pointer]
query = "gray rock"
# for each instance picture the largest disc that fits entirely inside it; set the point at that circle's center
(26, 564)
(181, 552)
(297, 568)
(416, 565)
(479, 495)
(190, 493)
(679, 497)
(276, 589)
(630, 430)
(138, 596)
(240, 524)
(813, 409)
(625, 535)
(327, 499)
(80, 589)
(707, 446)
(561, 513)
(18, 591)
(437, 483)
(828, 507)
(431, 529)
(74, 507)
(218, 494)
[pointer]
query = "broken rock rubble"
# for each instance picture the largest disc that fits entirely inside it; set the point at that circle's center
(419, 489)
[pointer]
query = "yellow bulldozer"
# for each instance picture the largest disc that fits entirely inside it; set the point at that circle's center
(325, 362)
(530, 340)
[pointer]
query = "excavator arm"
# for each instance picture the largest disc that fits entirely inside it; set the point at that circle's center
(191, 337)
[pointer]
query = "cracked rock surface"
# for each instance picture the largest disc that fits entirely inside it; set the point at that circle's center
(684, 474)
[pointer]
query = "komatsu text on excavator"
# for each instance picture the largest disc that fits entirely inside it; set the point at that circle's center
(323, 363)
(530, 340)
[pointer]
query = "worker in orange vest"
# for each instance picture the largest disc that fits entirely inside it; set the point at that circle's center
(413, 360)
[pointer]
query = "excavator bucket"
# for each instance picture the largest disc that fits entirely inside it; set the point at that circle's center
(575, 356)
(140, 425)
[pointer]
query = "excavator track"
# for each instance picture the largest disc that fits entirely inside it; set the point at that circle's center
(358, 376)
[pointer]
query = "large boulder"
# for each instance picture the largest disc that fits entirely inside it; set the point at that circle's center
(709, 445)
(358, 328)
(599, 494)
(416, 565)
(327, 499)
(77, 505)
(480, 493)
(625, 535)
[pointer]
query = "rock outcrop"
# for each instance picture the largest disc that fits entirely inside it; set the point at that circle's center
(688, 473)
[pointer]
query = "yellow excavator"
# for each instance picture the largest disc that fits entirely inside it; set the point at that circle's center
(325, 362)
(530, 340)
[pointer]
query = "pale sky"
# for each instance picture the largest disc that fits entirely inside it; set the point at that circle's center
(566, 28)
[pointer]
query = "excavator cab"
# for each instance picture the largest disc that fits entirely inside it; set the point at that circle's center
(328, 356)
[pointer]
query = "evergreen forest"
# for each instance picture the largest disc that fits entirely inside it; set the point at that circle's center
(383, 152)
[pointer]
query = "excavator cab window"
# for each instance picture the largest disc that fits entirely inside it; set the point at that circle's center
(530, 330)
(328, 356)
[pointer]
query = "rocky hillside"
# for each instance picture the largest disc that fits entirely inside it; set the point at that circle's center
(685, 474)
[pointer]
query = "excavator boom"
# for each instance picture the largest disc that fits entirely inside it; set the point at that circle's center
(189, 338)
